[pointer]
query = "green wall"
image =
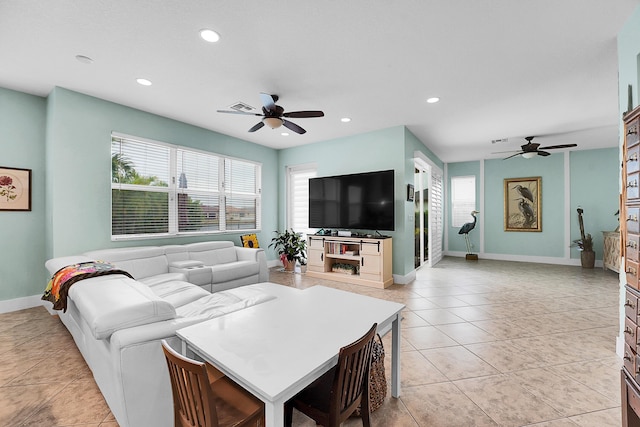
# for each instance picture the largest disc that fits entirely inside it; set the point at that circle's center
(594, 187)
(593, 184)
(550, 242)
(78, 172)
(391, 148)
(65, 140)
(22, 237)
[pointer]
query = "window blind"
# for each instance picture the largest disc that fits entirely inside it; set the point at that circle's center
(463, 199)
(140, 190)
(159, 189)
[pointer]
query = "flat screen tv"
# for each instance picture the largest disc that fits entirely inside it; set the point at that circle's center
(361, 201)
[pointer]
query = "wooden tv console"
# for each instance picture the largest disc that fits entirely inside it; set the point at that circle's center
(368, 260)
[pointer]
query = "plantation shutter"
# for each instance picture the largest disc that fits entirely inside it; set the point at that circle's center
(298, 198)
(436, 218)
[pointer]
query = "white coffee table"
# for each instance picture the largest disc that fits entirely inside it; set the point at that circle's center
(277, 348)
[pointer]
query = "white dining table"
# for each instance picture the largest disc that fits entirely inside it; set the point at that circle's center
(277, 348)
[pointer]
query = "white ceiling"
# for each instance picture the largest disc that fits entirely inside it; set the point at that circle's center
(502, 68)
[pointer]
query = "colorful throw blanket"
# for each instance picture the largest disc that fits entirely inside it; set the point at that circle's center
(58, 287)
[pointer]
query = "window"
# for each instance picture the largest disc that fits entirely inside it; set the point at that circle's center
(298, 197)
(162, 190)
(463, 199)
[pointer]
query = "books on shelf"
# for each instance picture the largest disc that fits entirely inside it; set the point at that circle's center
(338, 248)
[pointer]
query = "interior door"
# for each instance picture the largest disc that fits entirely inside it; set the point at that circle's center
(429, 215)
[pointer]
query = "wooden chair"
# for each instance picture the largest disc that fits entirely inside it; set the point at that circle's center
(335, 396)
(204, 397)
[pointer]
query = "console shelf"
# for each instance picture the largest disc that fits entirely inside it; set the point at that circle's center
(369, 259)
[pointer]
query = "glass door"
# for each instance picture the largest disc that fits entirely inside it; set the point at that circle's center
(421, 215)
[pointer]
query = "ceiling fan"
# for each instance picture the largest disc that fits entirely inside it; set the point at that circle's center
(531, 149)
(274, 115)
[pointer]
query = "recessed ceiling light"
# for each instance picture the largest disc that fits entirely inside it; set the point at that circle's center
(433, 100)
(144, 82)
(209, 35)
(284, 134)
(345, 120)
(84, 59)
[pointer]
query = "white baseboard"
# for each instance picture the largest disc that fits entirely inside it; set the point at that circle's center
(525, 258)
(403, 280)
(16, 304)
(620, 346)
(274, 263)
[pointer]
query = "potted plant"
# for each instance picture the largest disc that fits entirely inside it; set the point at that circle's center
(585, 243)
(291, 247)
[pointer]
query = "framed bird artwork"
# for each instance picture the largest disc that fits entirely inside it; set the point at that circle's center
(523, 204)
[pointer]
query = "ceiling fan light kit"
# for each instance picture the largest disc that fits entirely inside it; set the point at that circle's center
(529, 155)
(273, 122)
(274, 115)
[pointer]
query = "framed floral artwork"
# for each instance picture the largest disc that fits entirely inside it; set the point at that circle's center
(15, 189)
(523, 204)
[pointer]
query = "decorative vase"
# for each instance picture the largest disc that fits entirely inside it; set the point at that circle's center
(587, 259)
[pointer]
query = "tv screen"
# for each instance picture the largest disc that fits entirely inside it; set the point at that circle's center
(362, 201)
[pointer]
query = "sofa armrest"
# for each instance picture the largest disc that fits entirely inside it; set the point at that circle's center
(200, 275)
(188, 263)
(151, 332)
(254, 254)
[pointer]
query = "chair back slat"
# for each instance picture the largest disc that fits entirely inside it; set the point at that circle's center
(193, 398)
(351, 383)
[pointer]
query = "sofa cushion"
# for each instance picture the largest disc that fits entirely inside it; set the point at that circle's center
(214, 305)
(140, 262)
(212, 253)
(109, 303)
(234, 270)
(162, 278)
(178, 293)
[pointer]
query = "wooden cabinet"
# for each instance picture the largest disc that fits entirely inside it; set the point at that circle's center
(361, 261)
(630, 237)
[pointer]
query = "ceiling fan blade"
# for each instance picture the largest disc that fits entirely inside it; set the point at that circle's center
(513, 155)
(256, 127)
(303, 114)
(543, 153)
(294, 127)
(243, 113)
(551, 147)
(268, 101)
(508, 151)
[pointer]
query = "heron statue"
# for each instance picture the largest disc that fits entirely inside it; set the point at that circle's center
(466, 228)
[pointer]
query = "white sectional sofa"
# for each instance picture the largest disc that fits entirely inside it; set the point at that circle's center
(118, 322)
(215, 266)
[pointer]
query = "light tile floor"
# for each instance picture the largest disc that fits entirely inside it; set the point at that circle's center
(486, 343)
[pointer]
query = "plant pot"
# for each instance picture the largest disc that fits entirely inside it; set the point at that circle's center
(289, 265)
(587, 259)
